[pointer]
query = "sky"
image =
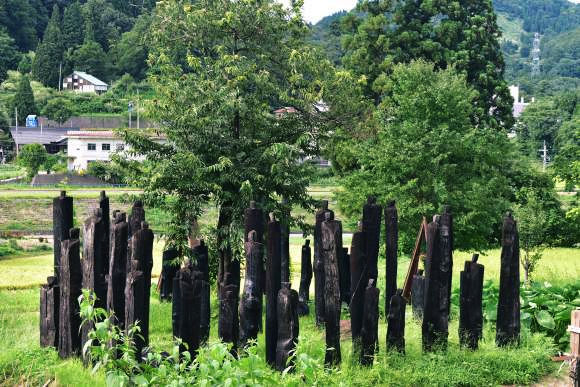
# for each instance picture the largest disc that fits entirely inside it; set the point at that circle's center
(314, 10)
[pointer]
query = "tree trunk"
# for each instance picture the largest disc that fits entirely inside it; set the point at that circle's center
(508, 307)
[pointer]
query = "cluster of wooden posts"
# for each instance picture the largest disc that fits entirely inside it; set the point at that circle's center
(117, 261)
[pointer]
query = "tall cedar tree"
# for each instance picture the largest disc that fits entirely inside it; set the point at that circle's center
(220, 69)
(460, 33)
(9, 56)
(73, 26)
(19, 20)
(24, 100)
(49, 53)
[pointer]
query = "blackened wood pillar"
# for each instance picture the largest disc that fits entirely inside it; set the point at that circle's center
(371, 225)
(358, 288)
(370, 326)
(168, 272)
(142, 253)
(186, 318)
(332, 250)
(344, 275)
(319, 273)
(508, 307)
(391, 244)
(418, 295)
(273, 283)
(202, 261)
(62, 222)
(136, 218)
(49, 313)
(134, 301)
(250, 311)
(305, 279)
(396, 323)
(118, 267)
(69, 339)
(104, 205)
(285, 244)
(446, 240)
(435, 317)
(470, 304)
(288, 328)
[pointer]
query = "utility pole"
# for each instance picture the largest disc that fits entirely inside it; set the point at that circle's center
(138, 127)
(16, 126)
(545, 157)
(130, 111)
(60, 77)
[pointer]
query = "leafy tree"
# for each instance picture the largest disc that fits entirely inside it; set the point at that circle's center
(220, 70)
(25, 64)
(54, 163)
(73, 26)
(130, 53)
(24, 100)
(49, 55)
(19, 19)
(107, 23)
(426, 153)
(91, 58)
(567, 161)
(58, 109)
(31, 157)
(9, 55)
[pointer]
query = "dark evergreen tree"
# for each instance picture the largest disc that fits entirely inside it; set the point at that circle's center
(18, 17)
(9, 56)
(130, 53)
(49, 54)
(90, 58)
(73, 26)
(24, 100)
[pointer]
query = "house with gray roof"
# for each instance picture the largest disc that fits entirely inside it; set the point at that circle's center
(82, 82)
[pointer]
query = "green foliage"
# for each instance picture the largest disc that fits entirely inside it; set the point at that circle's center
(73, 26)
(541, 16)
(55, 163)
(545, 308)
(109, 172)
(9, 55)
(219, 70)
(58, 109)
(49, 53)
(90, 58)
(130, 53)
(327, 35)
(25, 64)
(24, 100)
(20, 21)
(533, 221)
(31, 157)
(426, 154)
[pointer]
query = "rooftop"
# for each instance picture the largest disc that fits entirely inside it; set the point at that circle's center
(23, 135)
(94, 80)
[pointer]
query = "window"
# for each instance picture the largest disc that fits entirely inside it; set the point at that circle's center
(120, 147)
(92, 146)
(106, 147)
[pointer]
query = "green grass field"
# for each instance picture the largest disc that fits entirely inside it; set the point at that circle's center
(22, 361)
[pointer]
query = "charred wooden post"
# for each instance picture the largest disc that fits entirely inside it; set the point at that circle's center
(370, 325)
(371, 225)
(168, 272)
(391, 243)
(62, 222)
(418, 295)
(305, 279)
(508, 307)
(94, 255)
(396, 320)
(254, 221)
(250, 303)
(470, 304)
(446, 241)
(273, 283)
(142, 253)
(104, 205)
(118, 267)
(69, 320)
(357, 289)
(134, 301)
(285, 242)
(435, 318)
(49, 313)
(332, 250)
(229, 282)
(176, 305)
(288, 328)
(188, 313)
(202, 260)
(319, 273)
(344, 275)
(136, 218)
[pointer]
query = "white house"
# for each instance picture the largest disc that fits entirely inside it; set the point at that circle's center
(86, 146)
(519, 104)
(84, 83)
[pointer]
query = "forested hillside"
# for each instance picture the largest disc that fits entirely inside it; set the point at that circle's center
(558, 22)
